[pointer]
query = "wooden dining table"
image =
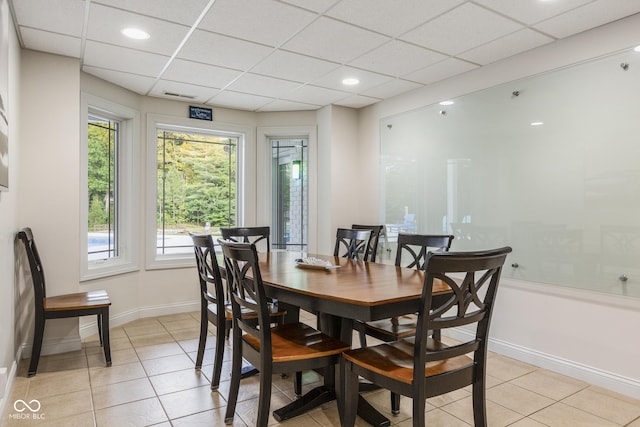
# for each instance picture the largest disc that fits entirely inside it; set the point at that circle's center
(351, 290)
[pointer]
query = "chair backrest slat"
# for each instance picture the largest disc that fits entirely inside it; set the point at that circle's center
(372, 249)
(253, 235)
(471, 302)
(418, 245)
(208, 271)
(351, 243)
(247, 291)
(35, 266)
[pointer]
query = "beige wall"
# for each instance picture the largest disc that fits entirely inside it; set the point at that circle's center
(48, 178)
(339, 177)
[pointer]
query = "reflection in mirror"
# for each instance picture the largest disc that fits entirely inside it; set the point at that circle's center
(549, 165)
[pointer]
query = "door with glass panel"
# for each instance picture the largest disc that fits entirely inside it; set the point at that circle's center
(289, 193)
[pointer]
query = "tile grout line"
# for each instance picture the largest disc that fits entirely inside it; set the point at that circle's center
(241, 416)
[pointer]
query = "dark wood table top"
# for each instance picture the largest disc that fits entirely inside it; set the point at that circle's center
(356, 290)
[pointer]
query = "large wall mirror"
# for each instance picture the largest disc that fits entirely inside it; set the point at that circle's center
(549, 165)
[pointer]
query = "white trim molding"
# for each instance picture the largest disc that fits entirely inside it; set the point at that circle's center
(91, 328)
(562, 329)
(245, 189)
(128, 184)
(591, 375)
(263, 175)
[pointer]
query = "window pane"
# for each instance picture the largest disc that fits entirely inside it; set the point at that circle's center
(289, 203)
(102, 221)
(196, 187)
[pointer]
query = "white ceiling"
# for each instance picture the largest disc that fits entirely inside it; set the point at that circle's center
(279, 55)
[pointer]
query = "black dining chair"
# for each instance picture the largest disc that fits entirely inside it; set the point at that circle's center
(214, 307)
(285, 348)
(61, 306)
(260, 236)
(423, 366)
(411, 253)
(351, 243)
(376, 233)
(416, 246)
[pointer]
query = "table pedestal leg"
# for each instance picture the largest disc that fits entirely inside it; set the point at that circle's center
(312, 399)
(248, 371)
(371, 414)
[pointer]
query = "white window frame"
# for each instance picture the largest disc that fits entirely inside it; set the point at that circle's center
(128, 258)
(245, 189)
(263, 199)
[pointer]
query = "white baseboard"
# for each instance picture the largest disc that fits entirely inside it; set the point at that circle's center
(618, 383)
(6, 393)
(53, 346)
(164, 310)
(119, 319)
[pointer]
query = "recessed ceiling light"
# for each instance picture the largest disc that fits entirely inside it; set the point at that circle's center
(537, 123)
(637, 48)
(351, 81)
(135, 33)
(446, 103)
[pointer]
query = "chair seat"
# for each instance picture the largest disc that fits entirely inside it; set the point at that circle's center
(297, 341)
(395, 360)
(393, 328)
(79, 301)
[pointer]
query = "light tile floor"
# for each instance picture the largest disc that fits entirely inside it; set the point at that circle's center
(153, 382)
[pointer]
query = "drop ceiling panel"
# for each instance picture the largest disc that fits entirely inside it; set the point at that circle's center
(397, 58)
(58, 16)
(266, 21)
(183, 12)
(392, 88)
(333, 80)
(532, 11)
(200, 74)
(51, 42)
(314, 5)
(504, 47)
(357, 101)
(105, 24)
(293, 66)
(283, 105)
(133, 82)
(241, 101)
(334, 41)
(463, 28)
(390, 17)
(441, 70)
(592, 15)
(223, 51)
(122, 59)
(186, 92)
(316, 95)
(264, 86)
(261, 53)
